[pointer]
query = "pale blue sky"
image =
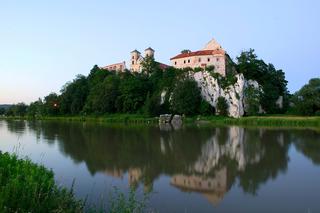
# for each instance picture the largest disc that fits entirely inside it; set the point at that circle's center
(44, 44)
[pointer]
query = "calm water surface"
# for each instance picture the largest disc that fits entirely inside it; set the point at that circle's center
(191, 169)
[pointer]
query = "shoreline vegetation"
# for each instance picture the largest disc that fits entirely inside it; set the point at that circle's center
(266, 120)
(29, 187)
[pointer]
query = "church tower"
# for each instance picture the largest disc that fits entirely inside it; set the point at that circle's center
(149, 52)
(135, 63)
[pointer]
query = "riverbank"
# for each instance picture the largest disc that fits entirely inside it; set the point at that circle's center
(272, 120)
(28, 187)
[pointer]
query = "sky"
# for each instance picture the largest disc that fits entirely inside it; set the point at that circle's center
(44, 44)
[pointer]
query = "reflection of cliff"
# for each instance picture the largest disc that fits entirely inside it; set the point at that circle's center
(205, 160)
(233, 147)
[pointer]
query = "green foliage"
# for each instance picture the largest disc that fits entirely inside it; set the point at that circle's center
(133, 92)
(222, 106)
(307, 100)
(52, 104)
(226, 81)
(131, 204)
(103, 95)
(210, 68)
(26, 187)
(252, 96)
(152, 105)
(273, 81)
(19, 109)
(73, 96)
(197, 69)
(149, 65)
(185, 51)
(2, 111)
(35, 109)
(186, 98)
(206, 108)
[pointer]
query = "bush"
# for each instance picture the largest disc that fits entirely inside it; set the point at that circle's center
(222, 106)
(26, 187)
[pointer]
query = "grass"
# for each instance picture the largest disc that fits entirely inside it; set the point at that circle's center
(263, 120)
(272, 120)
(27, 187)
(112, 118)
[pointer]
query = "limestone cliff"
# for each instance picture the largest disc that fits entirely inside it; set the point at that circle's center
(234, 94)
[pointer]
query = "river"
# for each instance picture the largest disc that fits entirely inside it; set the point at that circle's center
(187, 169)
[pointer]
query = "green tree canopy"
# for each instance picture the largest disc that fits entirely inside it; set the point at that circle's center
(186, 97)
(307, 100)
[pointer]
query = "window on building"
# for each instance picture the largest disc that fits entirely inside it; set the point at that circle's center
(188, 60)
(199, 59)
(217, 59)
(132, 57)
(184, 61)
(208, 59)
(132, 62)
(175, 63)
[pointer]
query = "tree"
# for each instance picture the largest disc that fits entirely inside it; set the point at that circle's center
(133, 92)
(206, 108)
(273, 81)
(252, 100)
(74, 95)
(186, 97)
(51, 104)
(102, 97)
(149, 65)
(2, 111)
(210, 68)
(222, 106)
(185, 51)
(307, 100)
(35, 109)
(152, 105)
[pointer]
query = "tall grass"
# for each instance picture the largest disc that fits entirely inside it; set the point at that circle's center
(27, 187)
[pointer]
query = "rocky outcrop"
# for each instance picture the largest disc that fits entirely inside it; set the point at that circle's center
(234, 94)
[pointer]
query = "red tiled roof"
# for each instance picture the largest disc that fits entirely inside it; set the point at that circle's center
(163, 66)
(198, 53)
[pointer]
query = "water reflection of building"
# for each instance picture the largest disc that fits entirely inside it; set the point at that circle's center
(213, 188)
(135, 176)
(118, 173)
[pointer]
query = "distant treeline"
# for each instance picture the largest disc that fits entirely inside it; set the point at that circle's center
(155, 91)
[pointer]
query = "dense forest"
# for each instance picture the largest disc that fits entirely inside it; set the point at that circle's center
(155, 91)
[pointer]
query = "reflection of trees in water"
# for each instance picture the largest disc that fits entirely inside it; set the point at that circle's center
(204, 159)
(16, 126)
(308, 142)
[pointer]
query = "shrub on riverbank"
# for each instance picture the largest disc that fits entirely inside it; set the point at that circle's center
(26, 187)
